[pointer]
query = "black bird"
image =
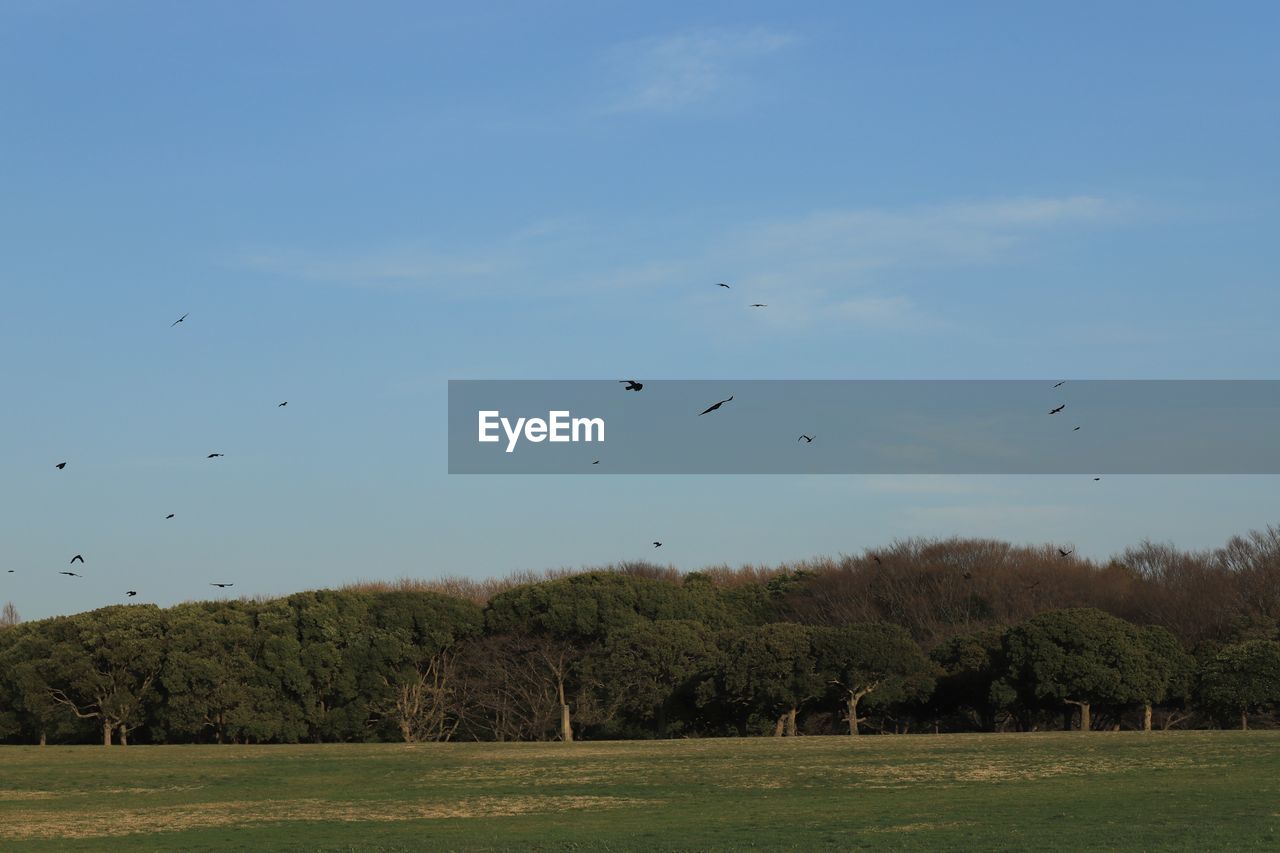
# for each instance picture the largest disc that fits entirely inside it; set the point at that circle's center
(11, 571)
(222, 585)
(716, 406)
(808, 439)
(1073, 429)
(597, 462)
(170, 515)
(282, 405)
(876, 557)
(60, 465)
(131, 593)
(631, 384)
(215, 455)
(1060, 384)
(657, 544)
(1096, 479)
(78, 557)
(1059, 409)
(758, 305)
(71, 574)
(1066, 553)
(179, 320)
(722, 284)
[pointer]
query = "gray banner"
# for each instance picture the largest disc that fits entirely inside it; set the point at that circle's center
(1092, 427)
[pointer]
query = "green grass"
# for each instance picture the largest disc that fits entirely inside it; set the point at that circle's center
(1125, 791)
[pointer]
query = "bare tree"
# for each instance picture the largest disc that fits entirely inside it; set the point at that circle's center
(422, 700)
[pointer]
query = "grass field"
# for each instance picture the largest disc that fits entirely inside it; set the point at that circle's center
(1122, 791)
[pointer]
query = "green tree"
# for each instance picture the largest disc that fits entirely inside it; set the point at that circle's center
(104, 664)
(970, 666)
(1078, 657)
(766, 672)
(1241, 678)
(207, 674)
(333, 641)
(573, 615)
(873, 662)
(278, 679)
(1167, 672)
(644, 669)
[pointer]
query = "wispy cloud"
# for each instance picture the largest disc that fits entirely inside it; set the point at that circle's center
(675, 72)
(851, 240)
(823, 267)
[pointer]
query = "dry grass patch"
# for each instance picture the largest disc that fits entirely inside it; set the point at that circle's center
(101, 823)
(15, 796)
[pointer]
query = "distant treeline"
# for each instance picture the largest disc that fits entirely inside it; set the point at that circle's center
(921, 636)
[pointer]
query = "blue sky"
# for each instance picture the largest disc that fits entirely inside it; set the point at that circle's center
(358, 203)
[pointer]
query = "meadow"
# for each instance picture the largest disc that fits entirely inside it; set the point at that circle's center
(1052, 791)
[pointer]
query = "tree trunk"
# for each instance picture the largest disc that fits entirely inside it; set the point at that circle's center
(1085, 720)
(1244, 721)
(124, 736)
(566, 727)
(780, 726)
(791, 723)
(1146, 717)
(43, 739)
(106, 733)
(853, 715)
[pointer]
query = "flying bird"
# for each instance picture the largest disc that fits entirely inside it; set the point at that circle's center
(1066, 553)
(222, 585)
(71, 574)
(716, 406)
(1059, 409)
(631, 384)
(131, 593)
(1034, 585)
(808, 439)
(1060, 384)
(11, 571)
(78, 557)
(657, 544)
(170, 515)
(597, 462)
(179, 320)
(1073, 429)
(282, 405)
(722, 284)
(60, 465)
(758, 305)
(215, 455)
(1096, 479)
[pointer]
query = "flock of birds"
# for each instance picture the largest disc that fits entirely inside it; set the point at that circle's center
(635, 385)
(79, 558)
(631, 385)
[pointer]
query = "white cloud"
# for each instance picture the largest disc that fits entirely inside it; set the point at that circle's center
(675, 72)
(853, 240)
(821, 268)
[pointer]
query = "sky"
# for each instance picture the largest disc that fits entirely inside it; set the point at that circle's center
(355, 203)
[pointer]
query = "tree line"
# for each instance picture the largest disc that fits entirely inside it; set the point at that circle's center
(922, 636)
